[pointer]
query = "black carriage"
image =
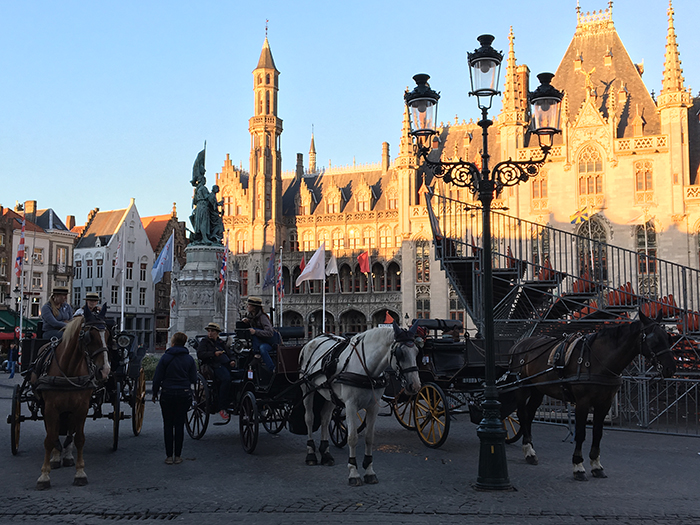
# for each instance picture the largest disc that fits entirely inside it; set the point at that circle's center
(125, 384)
(452, 372)
(258, 397)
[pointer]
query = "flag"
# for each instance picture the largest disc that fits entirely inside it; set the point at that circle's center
(363, 259)
(388, 319)
(332, 266)
(164, 262)
(302, 264)
(280, 280)
(118, 258)
(315, 269)
(580, 216)
(172, 304)
(20, 249)
(224, 268)
(270, 274)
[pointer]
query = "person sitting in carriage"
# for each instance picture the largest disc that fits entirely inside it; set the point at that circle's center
(56, 313)
(91, 300)
(212, 352)
(261, 331)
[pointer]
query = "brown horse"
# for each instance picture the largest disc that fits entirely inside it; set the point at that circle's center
(65, 382)
(585, 371)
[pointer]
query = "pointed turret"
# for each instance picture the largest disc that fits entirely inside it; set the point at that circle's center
(266, 61)
(514, 106)
(312, 155)
(673, 90)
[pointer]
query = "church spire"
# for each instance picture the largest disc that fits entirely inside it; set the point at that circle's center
(513, 111)
(312, 153)
(672, 83)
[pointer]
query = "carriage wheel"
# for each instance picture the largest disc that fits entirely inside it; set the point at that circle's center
(116, 414)
(138, 403)
(512, 426)
(337, 428)
(16, 419)
(198, 413)
(432, 415)
(402, 407)
(248, 422)
(273, 418)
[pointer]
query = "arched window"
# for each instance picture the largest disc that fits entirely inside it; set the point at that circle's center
(293, 241)
(422, 262)
(323, 236)
(398, 238)
(591, 245)
(307, 241)
(378, 278)
(393, 278)
(242, 242)
(385, 237)
(345, 279)
(646, 247)
(368, 240)
(353, 238)
(590, 172)
(643, 179)
(338, 239)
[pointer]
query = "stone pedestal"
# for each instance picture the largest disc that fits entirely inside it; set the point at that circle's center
(195, 294)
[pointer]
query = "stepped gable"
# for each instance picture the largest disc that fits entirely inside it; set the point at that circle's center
(596, 64)
(103, 225)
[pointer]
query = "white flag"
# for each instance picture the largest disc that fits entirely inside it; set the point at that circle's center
(315, 268)
(118, 258)
(332, 267)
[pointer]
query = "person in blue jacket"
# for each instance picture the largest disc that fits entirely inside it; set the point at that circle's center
(175, 374)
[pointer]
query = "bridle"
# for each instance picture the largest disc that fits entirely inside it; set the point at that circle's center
(397, 353)
(90, 355)
(649, 352)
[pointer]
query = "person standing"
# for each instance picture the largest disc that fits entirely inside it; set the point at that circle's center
(175, 373)
(56, 313)
(12, 356)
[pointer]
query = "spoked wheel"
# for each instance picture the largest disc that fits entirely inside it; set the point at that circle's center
(337, 428)
(15, 419)
(431, 415)
(273, 418)
(116, 415)
(248, 422)
(512, 426)
(198, 413)
(402, 406)
(138, 403)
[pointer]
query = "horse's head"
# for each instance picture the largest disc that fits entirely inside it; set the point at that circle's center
(657, 345)
(94, 338)
(403, 357)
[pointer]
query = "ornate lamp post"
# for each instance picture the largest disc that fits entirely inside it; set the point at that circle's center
(484, 68)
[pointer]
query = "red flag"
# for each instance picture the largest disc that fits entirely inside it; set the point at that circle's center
(302, 264)
(363, 259)
(20, 250)
(388, 319)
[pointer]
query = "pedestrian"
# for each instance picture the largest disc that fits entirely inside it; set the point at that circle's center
(175, 374)
(12, 356)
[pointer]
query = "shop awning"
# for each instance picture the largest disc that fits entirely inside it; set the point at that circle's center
(8, 321)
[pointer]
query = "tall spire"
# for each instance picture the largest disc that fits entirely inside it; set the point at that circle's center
(513, 106)
(673, 89)
(312, 153)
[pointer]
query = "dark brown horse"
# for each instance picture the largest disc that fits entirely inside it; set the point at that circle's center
(585, 371)
(65, 384)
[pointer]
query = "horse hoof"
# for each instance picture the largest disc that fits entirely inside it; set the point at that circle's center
(80, 482)
(55, 464)
(355, 482)
(327, 459)
(43, 485)
(371, 479)
(531, 460)
(580, 476)
(598, 473)
(311, 460)
(68, 462)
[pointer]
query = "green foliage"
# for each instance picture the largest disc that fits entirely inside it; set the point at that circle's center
(149, 365)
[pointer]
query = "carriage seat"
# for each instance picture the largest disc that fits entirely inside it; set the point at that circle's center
(447, 356)
(288, 358)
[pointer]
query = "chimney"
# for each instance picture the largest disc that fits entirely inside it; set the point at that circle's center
(30, 210)
(386, 160)
(70, 222)
(300, 166)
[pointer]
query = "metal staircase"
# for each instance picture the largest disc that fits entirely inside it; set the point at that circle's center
(548, 281)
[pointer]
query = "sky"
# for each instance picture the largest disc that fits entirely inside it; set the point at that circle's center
(105, 101)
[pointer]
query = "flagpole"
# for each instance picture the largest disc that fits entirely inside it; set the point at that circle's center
(226, 289)
(323, 326)
(123, 281)
(281, 285)
(21, 281)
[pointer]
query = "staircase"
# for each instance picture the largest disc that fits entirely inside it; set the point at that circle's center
(548, 281)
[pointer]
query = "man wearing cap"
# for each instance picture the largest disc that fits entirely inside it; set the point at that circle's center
(56, 313)
(261, 331)
(211, 351)
(91, 300)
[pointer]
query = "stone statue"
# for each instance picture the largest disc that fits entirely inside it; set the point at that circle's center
(207, 224)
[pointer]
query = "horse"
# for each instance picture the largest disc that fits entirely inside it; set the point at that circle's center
(585, 371)
(336, 371)
(64, 379)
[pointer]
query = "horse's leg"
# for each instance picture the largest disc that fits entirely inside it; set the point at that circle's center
(367, 463)
(599, 413)
(67, 458)
(526, 414)
(309, 418)
(323, 448)
(51, 426)
(56, 454)
(80, 478)
(354, 478)
(580, 437)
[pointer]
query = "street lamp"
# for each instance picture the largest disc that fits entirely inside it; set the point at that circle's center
(484, 68)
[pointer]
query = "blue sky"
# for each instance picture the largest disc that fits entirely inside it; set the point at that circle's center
(101, 101)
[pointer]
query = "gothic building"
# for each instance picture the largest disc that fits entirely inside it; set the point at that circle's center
(630, 157)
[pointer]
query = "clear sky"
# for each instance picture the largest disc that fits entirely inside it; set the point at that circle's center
(101, 101)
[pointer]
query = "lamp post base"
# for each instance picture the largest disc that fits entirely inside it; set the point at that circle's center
(493, 468)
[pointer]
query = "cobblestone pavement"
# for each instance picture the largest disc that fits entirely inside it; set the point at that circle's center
(652, 479)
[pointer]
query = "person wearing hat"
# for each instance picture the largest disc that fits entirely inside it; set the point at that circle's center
(56, 313)
(212, 351)
(91, 300)
(261, 331)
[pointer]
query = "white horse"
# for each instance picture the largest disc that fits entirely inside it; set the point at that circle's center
(353, 374)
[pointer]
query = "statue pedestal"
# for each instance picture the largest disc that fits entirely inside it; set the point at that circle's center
(196, 296)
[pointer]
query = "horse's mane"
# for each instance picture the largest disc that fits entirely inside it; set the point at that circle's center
(378, 333)
(619, 330)
(72, 330)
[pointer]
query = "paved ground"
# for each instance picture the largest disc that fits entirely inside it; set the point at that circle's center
(652, 479)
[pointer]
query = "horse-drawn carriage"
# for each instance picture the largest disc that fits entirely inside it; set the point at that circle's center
(126, 383)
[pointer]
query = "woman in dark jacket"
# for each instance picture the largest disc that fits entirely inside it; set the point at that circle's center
(175, 373)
